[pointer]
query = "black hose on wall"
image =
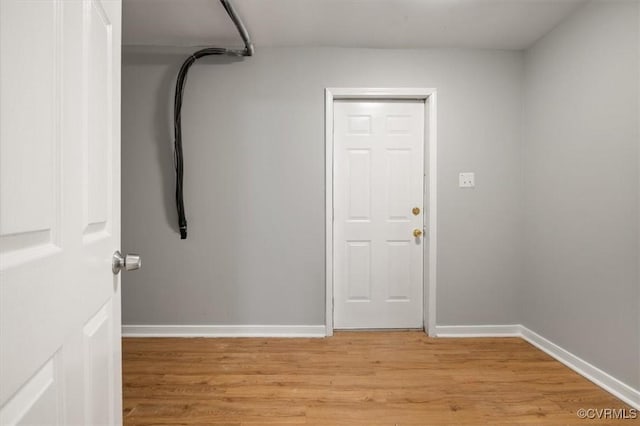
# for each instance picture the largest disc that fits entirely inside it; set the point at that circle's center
(177, 106)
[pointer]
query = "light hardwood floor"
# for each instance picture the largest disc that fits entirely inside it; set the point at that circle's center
(355, 378)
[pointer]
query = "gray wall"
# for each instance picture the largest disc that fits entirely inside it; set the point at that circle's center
(548, 238)
(581, 284)
(254, 154)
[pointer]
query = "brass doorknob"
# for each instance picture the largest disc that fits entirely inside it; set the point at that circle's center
(417, 232)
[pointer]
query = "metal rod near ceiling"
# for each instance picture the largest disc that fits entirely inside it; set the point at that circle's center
(177, 106)
(248, 46)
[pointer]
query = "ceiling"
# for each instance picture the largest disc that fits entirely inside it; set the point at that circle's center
(490, 24)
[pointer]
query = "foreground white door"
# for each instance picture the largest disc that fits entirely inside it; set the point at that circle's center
(60, 357)
(378, 218)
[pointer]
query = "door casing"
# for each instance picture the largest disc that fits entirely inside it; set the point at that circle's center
(429, 97)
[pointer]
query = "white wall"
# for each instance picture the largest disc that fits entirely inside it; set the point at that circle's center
(254, 182)
(581, 282)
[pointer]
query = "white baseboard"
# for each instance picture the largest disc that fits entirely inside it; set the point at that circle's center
(604, 380)
(223, 331)
(512, 330)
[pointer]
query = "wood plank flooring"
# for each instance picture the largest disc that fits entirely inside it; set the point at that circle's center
(353, 378)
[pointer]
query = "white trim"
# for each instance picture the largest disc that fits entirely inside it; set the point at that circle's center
(606, 381)
(432, 213)
(328, 241)
(223, 331)
(602, 379)
(380, 93)
(429, 95)
(511, 330)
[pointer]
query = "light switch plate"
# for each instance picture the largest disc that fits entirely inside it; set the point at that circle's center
(467, 180)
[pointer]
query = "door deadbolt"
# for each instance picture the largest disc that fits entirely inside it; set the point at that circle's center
(415, 211)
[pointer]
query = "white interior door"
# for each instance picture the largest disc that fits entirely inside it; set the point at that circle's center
(378, 201)
(60, 359)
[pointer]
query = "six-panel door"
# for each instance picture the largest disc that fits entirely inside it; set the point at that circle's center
(378, 200)
(59, 212)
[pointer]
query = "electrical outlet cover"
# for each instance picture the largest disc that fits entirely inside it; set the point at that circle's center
(467, 180)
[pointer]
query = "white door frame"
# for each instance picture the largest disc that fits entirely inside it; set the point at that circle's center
(429, 97)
